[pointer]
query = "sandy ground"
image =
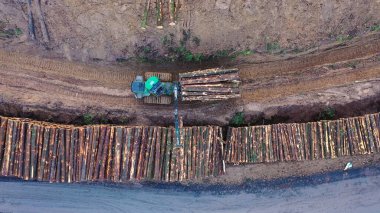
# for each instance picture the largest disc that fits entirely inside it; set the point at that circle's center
(332, 75)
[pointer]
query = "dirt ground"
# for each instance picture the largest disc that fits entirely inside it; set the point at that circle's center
(239, 174)
(110, 30)
(341, 76)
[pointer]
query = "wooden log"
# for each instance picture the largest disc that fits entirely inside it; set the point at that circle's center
(306, 139)
(81, 153)
(15, 135)
(110, 154)
(207, 72)
(59, 155)
(209, 91)
(150, 143)
(365, 135)
(71, 135)
(339, 150)
(103, 164)
(194, 144)
(152, 156)
(325, 141)
(231, 77)
(46, 176)
(21, 150)
(173, 162)
(117, 156)
(86, 154)
(218, 86)
(162, 151)
(33, 152)
(350, 137)
(94, 152)
(135, 153)
(320, 148)
(362, 148)
(208, 138)
(44, 154)
(7, 148)
(219, 160)
(375, 132)
(143, 149)
(210, 97)
(99, 154)
(3, 130)
(126, 154)
(168, 151)
(331, 137)
(292, 140)
(39, 146)
(371, 139)
(298, 142)
(157, 155)
(53, 158)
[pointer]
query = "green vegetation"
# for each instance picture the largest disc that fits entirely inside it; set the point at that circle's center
(327, 114)
(343, 38)
(196, 41)
(9, 32)
(88, 119)
(237, 119)
(375, 27)
(272, 47)
(180, 52)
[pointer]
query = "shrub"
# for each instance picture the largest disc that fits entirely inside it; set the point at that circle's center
(237, 119)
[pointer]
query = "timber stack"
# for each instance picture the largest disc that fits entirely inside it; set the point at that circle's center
(210, 85)
(304, 141)
(60, 153)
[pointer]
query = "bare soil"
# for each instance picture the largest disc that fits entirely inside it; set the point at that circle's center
(237, 175)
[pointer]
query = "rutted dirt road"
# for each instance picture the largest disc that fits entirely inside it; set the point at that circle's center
(334, 75)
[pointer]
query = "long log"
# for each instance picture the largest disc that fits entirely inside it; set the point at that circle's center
(7, 148)
(210, 97)
(230, 77)
(3, 130)
(207, 72)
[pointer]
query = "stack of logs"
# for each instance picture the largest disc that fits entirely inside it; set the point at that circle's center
(45, 152)
(210, 85)
(303, 141)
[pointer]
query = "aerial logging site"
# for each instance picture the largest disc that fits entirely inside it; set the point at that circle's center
(201, 91)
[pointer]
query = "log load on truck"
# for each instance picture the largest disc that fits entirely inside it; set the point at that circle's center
(203, 85)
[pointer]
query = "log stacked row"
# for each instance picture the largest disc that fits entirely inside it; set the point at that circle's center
(303, 141)
(210, 85)
(45, 152)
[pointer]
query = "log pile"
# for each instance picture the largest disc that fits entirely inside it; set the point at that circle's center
(303, 141)
(210, 85)
(45, 152)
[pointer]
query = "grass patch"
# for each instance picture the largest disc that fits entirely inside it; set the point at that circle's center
(343, 38)
(327, 114)
(88, 119)
(237, 120)
(375, 28)
(179, 52)
(272, 47)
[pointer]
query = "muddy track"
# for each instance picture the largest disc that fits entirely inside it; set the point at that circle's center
(61, 86)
